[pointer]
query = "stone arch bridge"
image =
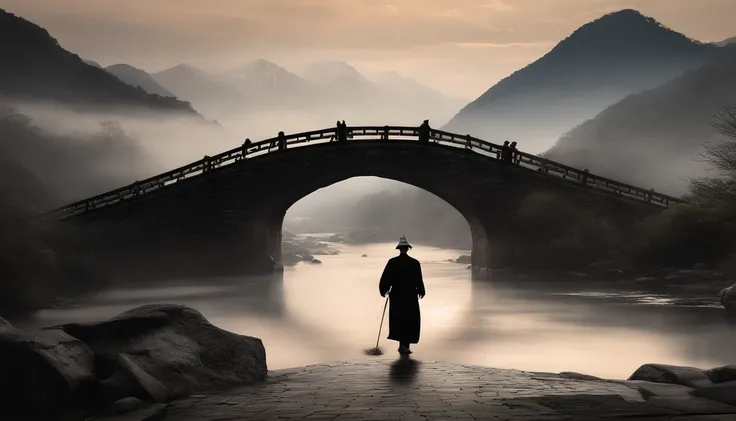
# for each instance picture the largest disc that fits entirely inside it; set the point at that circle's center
(224, 213)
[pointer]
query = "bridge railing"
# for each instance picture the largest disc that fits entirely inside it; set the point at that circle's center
(362, 133)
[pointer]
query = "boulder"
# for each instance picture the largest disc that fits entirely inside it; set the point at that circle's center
(663, 373)
(365, 255)
(128, 379)
(44, 371)
(307, 258)
(123, 406)
(726, 373)
(723, 392)
(464, 259)
(176, 345)
(316, 262)
(290, 259)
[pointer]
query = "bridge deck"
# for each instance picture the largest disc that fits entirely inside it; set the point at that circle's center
(364, 133)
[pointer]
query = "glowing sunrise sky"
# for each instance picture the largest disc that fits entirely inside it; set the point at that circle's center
(460, 47)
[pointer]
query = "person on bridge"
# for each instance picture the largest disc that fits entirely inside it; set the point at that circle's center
(342, 131)
(402, 280)
(424, 130)
(282, 141)
(513, 157)
(506, 152)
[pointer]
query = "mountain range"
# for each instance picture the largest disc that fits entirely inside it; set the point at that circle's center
(602, 62)
(36, 68)
(654, 138)
(138, 78)
(726, 42)
(331, 86)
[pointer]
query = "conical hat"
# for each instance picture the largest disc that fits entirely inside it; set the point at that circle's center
(403, 242)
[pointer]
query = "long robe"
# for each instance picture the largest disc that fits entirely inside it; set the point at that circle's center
(403, 276)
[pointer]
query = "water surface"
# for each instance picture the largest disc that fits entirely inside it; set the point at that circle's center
(328, 312)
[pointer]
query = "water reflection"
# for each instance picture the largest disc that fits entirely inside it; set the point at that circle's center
(318, 313)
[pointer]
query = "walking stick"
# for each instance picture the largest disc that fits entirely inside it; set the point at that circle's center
(377, 350)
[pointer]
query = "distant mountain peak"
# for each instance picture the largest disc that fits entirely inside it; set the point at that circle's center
(36, 66)
(626, 28)
(336, 74)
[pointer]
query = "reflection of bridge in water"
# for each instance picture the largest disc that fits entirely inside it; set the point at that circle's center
(232, 204)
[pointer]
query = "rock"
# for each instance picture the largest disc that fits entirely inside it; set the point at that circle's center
(149, 412)
(469, 267)
(316, 262)
(726, 373)
(130, 380)
(365, 255)
(290, 259)
(722, 392)
(307, 258)
(335, 239)
(44, 371)
(577, 376)
(464, 259)
(178, 346)
(125, 405)
(727, 296)
(663, 373)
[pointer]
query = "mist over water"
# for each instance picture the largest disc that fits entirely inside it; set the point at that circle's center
(328, 312)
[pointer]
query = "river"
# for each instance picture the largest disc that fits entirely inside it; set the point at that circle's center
(318, 313)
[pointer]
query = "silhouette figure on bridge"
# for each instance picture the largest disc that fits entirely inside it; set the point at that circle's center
(341, 132)
(506, 152)
(403, 277)
(246, 145)
(424, 131)
(282, 141)
(513, 156)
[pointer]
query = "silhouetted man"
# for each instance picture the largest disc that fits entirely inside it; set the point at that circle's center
(282, 141)
(506, 152)
(512, 153)
(341, 131)
(424, 132)
(246, 145)
(403, 277)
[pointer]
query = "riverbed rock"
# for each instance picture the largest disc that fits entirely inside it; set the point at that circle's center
(364, 255)
(727, 296)
(176, 345)
(726, 373)
(307, 258)
(316, 262)
(290, 259)
(43, 371)
(663, 373)
(464, 259)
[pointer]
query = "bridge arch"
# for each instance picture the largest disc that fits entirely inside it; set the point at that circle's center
(225, 213)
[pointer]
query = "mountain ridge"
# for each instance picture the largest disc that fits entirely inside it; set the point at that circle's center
(37, 68)
(137, 77)
(640, 137)
(598, 64)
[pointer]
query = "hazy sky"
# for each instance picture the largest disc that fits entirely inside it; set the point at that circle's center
(460, 47)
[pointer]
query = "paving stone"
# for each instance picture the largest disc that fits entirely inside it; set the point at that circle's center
(365, 390)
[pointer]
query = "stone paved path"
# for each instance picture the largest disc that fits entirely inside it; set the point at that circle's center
(411, 390)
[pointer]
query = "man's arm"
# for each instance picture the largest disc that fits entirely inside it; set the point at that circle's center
(386, 279)
(420, 282)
